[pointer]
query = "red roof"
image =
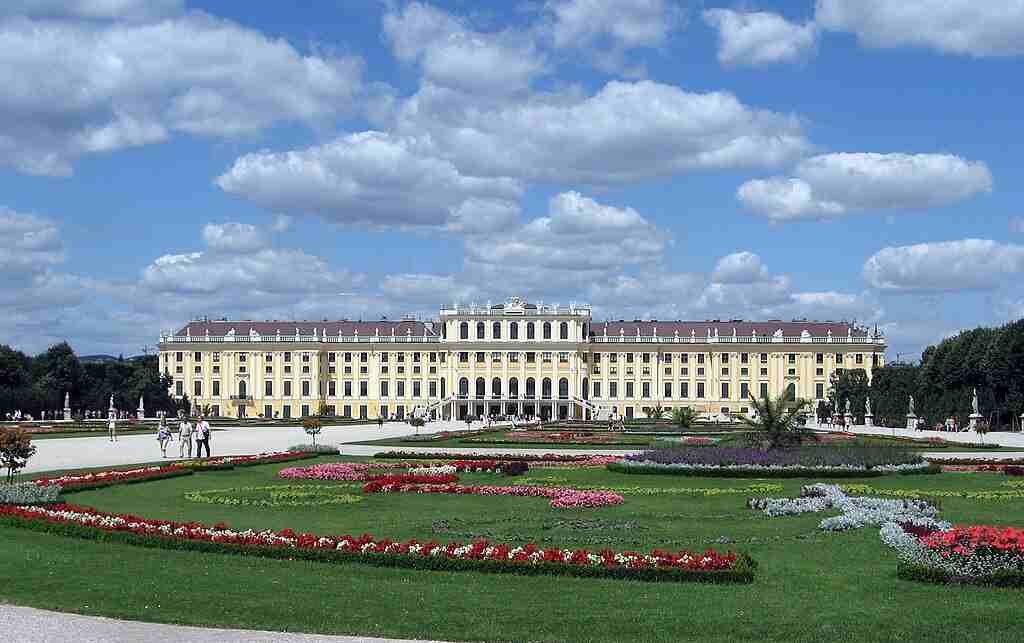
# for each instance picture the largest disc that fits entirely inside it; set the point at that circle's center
(343, 327)
(724, 328)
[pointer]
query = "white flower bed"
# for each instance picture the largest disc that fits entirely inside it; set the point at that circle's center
(965, 568)
(856, 512)
(682, 466)
(442, 470)
(28, 493)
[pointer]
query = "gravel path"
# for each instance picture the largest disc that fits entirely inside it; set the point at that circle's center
(29, 625)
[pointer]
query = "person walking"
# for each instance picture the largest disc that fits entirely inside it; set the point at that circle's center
(112, 426)
(184, 438)
(163, 436)
(202, 437)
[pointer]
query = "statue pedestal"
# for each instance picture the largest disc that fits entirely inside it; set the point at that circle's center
(67, 413)
(974, 417)
(869, 420)
(848, 418)
(911, 421)
(142, 413)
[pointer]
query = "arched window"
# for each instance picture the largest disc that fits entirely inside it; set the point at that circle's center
(563, 330)
(547, 330)
(513, 330)
(463, 387)
(530, 331)
(791, 391)
(563, 389)
(513, 388)
(464, 330)
(545, 388)
(481, 387)
(241, 389)
(480, 328)
(496, 387)
(496, 330)
(531, 388)
(586, 390)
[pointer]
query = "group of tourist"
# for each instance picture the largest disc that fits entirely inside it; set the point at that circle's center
(187, 433)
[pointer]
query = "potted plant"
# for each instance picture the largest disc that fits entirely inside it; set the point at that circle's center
(312, 426)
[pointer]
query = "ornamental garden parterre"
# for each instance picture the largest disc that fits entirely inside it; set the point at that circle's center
(738, 522)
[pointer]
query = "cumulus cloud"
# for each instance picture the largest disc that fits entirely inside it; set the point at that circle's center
(369, 178)
(29, 243)
(79, 87)
(989, 28)
(739, 268)
(759, 37)
(627, 131)
(453, 55)
(966, 264)
(835, 185)
(233, 237)
(93, 9)
(427, 289)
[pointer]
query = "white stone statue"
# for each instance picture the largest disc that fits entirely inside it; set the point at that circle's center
(67, 400)
(111, 401)
(910, 410)
(848, 406)
(974, 402)
(867, 406)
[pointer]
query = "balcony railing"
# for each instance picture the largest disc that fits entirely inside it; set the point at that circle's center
(310, 339)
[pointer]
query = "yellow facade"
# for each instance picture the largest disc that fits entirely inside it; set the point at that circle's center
(514, 358)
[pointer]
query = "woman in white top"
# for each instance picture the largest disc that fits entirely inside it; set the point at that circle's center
(163, 436)
(112, 427)
(185, 438)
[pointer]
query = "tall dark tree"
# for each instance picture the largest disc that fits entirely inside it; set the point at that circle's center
(891, 388)
(849, 384)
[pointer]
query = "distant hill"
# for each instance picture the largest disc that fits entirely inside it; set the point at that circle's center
(105, 359)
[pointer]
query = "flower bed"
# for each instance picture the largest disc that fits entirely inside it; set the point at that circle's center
(232, 461)
(83, 522)
(983, 494)
(977, 554)
(353, 471)
(560, 437)
(781, 463)
(540, 459)
(305, 495)
(509, 468)
(561, 497)
(86, 481)
(856, 512)
(756, 488)
(27, 493)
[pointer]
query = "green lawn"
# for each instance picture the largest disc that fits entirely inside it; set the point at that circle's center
(811, 585)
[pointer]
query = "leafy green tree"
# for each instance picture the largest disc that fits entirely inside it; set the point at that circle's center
(684, 417)
(15, 450)
(824, 411)
(849, 384)
(655, 412)
(891, 388)
(779, 422)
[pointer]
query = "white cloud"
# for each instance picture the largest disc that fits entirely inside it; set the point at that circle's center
(74, 88)
(93, 9)
(625, 132)
(834, 185)
(625, 23)
(967, 264)
(453, 55)
(427, 289)
(233, 237)
(759, 37)
(1017, 225)
(29, 243)
(988, 28)
(282, 223)
(740, 268)
(369, 178)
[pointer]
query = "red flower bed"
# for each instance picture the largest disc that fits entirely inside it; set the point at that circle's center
(561, 497)
(105, 478)
(480, 555)
(378, 483)
(966, 541)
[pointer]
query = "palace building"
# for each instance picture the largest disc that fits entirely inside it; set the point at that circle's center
(512, 358)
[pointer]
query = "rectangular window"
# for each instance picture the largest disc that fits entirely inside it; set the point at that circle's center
(287, 412)
(685, 358)
(268, 388)
(287, 389)
(744, 358)
(700, 390)
(268, 411)
(432, 388)
(287, 357)
(597, 389)
(764, 372)
(700, 358)
(348, 389)
(346, 411)
(330, 357)
(401, 358)
(647, 358)
(684, 390)
(305, 410)
(416, 389)
(859, 358)
(362, 412)
(400, 387)
(463, 357)
(725, 390)
(725, 358)
(819, 358)
(764, 390)
(332, 388)
(216, 388)
(764, 358)
(613, 389)
(629, 358)
(384, 358)
(243, 358)
(198, 357)
(480, 357)
(668, 390)
(197, 388)
(384, 388)
(744, 390)
(645, 389)
(305, 358)
(791, 358)
(305, 388)
(383, 410)
(216, 357)
(364, 389)
(839, 358)
(819, 390)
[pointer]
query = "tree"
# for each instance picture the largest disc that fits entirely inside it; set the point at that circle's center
(778, 422)
(684, 417)
(824, 411)
(852, 385)
(891, 388)
(655, 412)
(312, 426)
(15, 450)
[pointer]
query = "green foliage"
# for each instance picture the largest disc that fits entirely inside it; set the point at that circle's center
(852, 385)
(15, 450)
(779, 422)
(655, 412)
(684, 417)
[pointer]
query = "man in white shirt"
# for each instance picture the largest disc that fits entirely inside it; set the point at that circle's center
(202, 437)
(184, 438)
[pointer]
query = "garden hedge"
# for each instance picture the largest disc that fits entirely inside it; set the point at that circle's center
(89, 486)
(743, 572)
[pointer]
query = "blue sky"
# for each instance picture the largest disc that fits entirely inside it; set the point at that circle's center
(836, 159)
